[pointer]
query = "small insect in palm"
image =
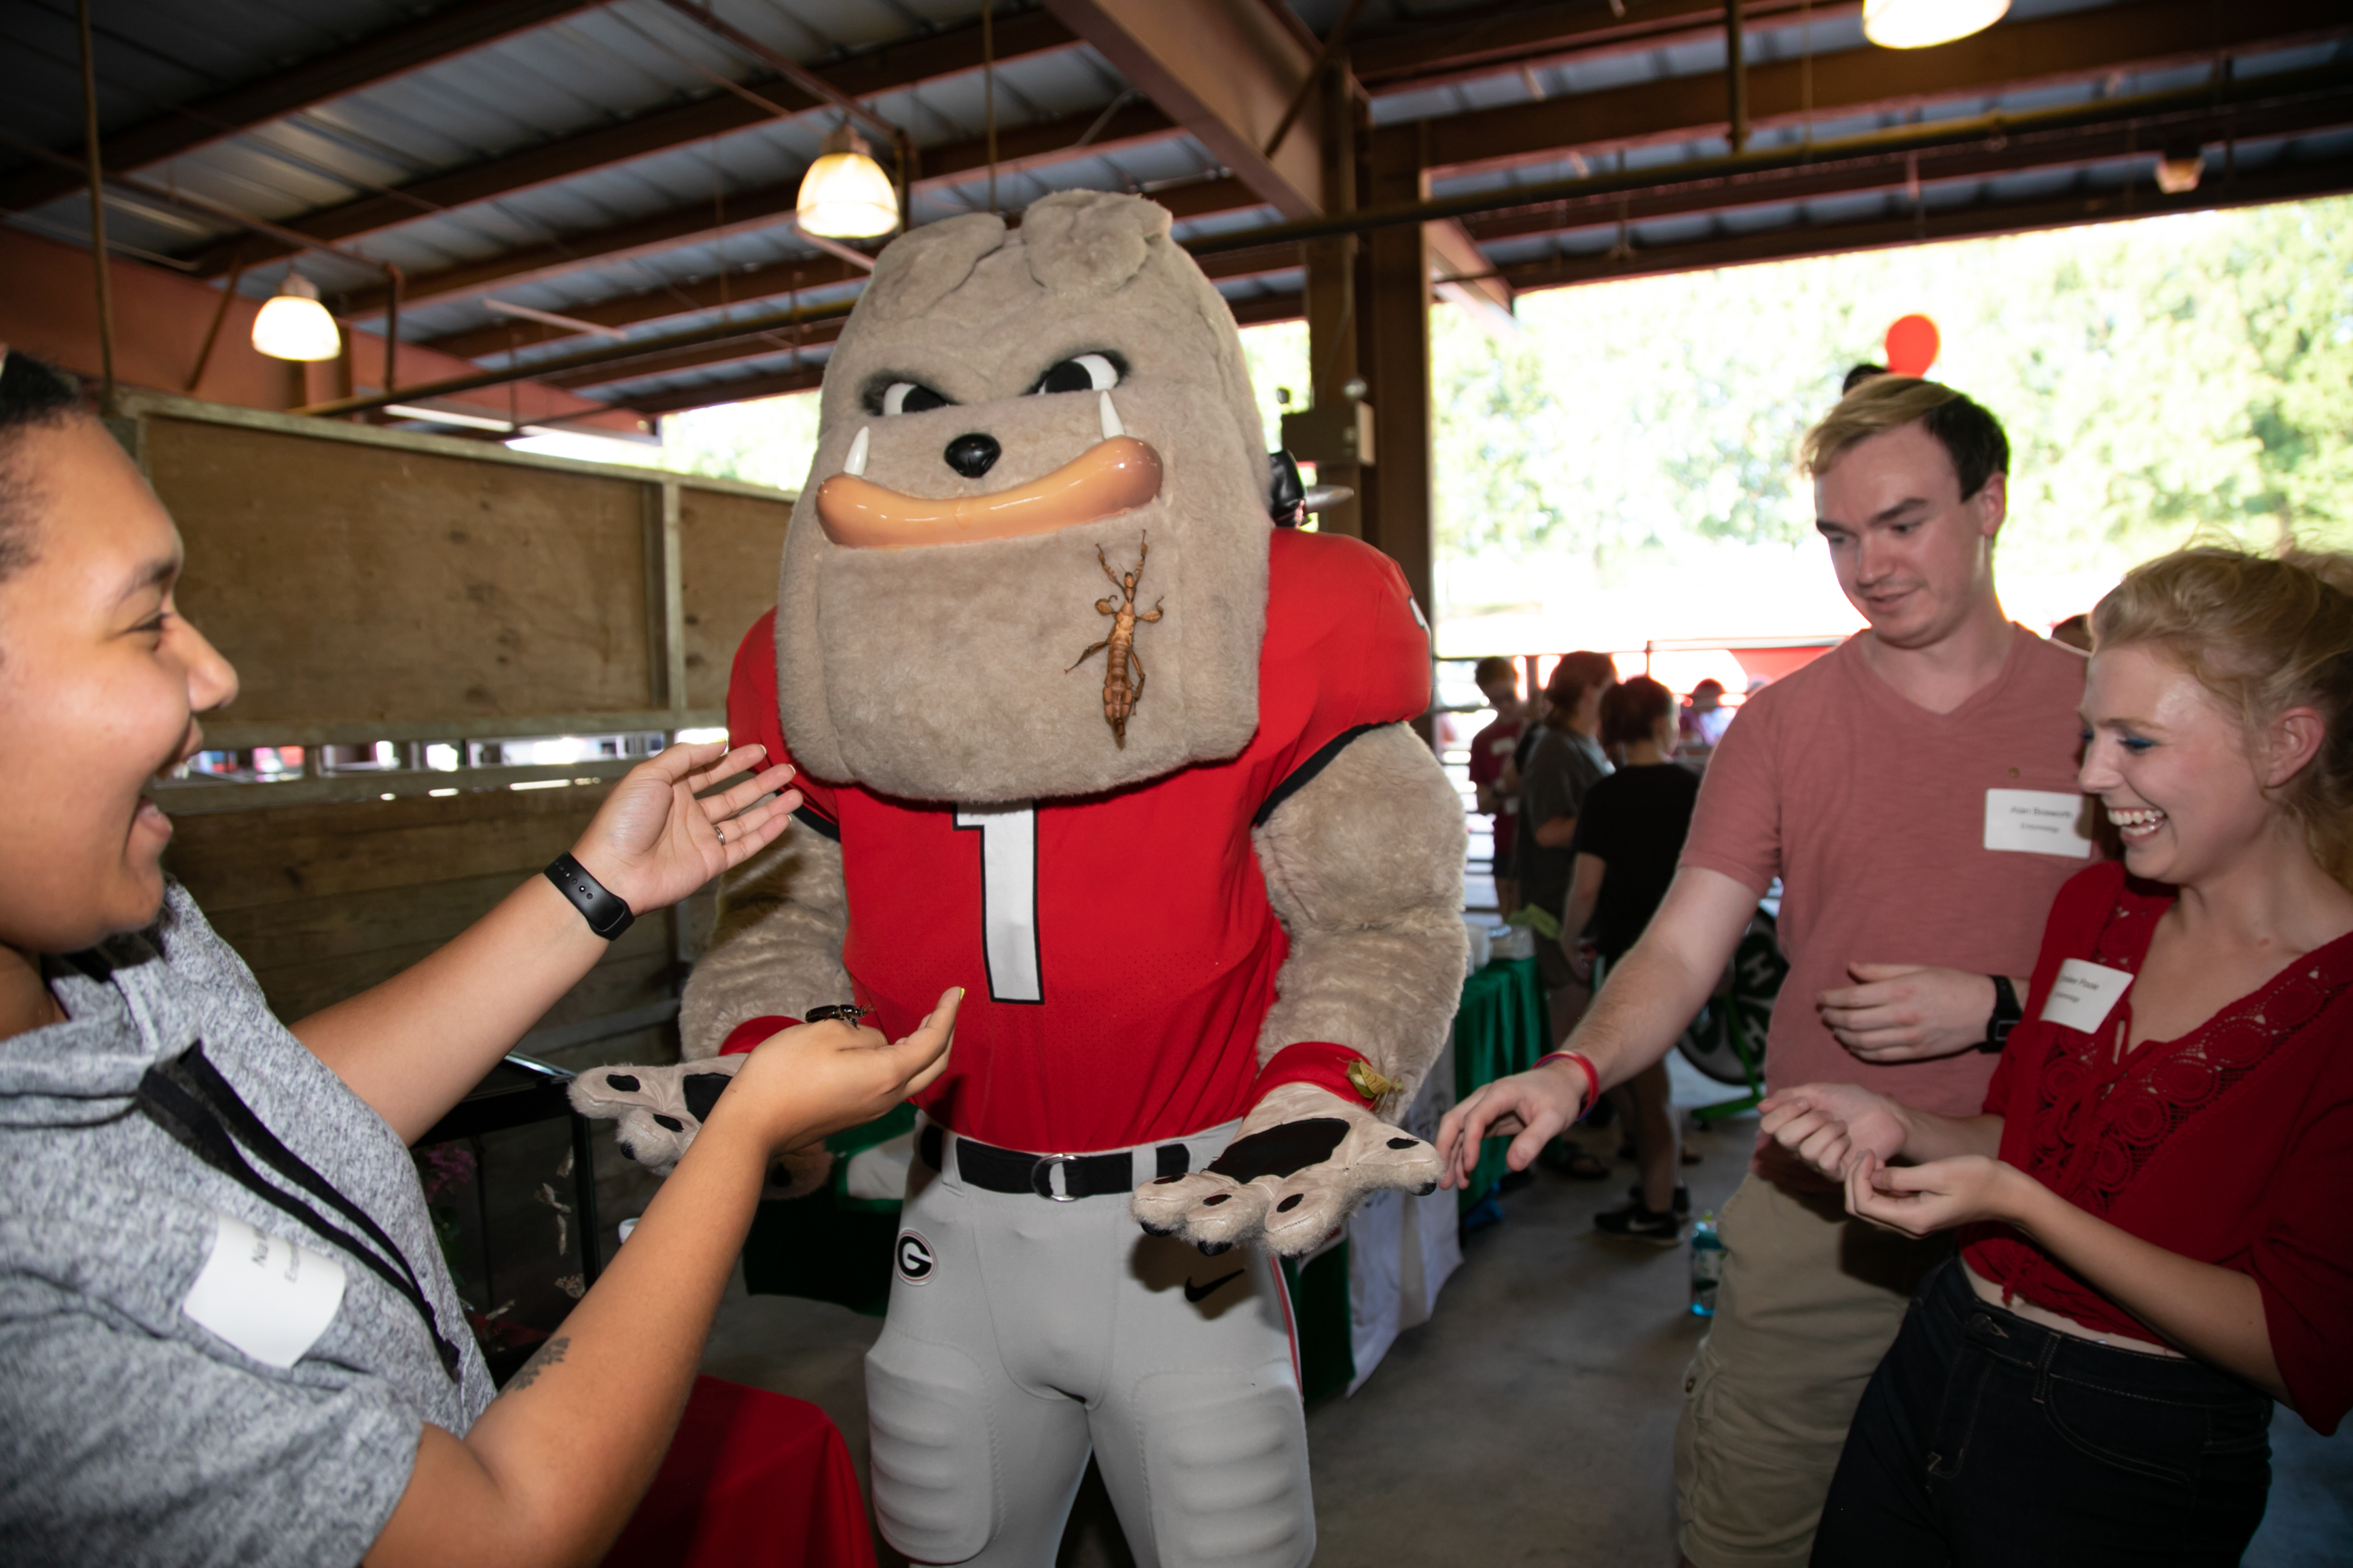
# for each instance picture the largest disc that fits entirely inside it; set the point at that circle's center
(1123, 671)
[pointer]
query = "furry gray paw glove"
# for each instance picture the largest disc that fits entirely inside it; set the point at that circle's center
(657, 1111)
(1298, 1163)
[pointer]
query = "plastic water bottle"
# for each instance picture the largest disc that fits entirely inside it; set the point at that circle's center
(1706, 1264)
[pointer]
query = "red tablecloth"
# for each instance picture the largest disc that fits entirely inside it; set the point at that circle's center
(753, 1479)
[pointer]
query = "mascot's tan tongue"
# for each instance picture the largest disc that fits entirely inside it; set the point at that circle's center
(1112, 476)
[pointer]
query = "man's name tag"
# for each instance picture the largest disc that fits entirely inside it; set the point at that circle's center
(2083, 995)
(268, 1296)
(2037, 821)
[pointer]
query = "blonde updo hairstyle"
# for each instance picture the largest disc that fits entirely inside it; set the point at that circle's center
(2262, 634)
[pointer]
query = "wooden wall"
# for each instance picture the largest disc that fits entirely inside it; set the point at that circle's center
(358, 582)
(366, 578)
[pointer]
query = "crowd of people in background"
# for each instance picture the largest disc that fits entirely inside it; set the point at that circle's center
(2109, 1049)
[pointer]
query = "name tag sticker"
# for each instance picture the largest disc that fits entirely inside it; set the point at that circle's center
(268, 1296)
(2036, 821)
(2083, 995)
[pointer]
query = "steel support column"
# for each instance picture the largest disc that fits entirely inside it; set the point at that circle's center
(1394, 338)
(1331, 294)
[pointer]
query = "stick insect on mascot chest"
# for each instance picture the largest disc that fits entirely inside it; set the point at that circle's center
(1200, 881)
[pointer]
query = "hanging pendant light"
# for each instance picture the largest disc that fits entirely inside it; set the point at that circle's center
(294, 325)
(846, 194)
(1921, 24)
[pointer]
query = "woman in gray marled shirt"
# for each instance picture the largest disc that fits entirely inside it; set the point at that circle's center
(209, 1367)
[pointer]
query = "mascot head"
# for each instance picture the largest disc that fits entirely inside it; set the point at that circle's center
(1031, 442)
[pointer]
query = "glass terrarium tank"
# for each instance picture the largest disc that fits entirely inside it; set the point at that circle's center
(508, 1180)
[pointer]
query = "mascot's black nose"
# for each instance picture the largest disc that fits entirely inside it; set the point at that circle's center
(973, 456)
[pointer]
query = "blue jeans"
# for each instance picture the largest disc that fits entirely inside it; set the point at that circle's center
(1986, 1439)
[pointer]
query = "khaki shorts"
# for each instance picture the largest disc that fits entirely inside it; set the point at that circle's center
(1809, 1302)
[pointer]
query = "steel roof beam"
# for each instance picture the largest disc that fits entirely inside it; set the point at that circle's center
(734, 288)
(1226, 70)
(1254, 312)
(2140, 136)
(752, 345)
(1991, 131)
(765, 320)
(1200, 198)
(694, 222)
(2012, 57)
(450, 31)
(893, 67)
(1845, 83)
(1463, 47)
(2295, 182)
(1230, 264)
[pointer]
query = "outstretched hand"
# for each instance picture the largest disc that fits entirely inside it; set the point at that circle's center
(653, 842)
(817, 1079)
(1830, 1125)
(1537, 1105)
(1920, 1200)
(1908, 1011)
(795, 1087)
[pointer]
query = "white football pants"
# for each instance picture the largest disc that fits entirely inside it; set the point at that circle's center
(1025, 1333)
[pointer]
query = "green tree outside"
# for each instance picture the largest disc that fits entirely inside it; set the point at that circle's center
(2157, 378)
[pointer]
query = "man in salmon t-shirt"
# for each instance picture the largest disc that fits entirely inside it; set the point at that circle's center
(1914, 790)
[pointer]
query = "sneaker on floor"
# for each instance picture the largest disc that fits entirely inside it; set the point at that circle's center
(1639, 1224)
(1681, 1200)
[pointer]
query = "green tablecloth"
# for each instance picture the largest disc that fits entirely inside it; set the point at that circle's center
(1500, 1028)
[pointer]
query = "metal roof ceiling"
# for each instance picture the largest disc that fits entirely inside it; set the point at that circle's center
(438, 168)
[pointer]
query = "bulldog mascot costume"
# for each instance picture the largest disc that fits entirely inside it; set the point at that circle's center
(1085, 727)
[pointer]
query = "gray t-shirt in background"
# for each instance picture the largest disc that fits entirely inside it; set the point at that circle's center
(1561, 765)
(128, 1433)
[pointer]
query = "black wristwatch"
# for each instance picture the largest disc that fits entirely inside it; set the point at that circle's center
(607, 912)
(2006, 1015)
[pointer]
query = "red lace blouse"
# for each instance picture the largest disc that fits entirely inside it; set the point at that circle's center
(2232, 1144)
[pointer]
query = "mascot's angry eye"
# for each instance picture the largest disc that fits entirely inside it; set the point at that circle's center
(903, 397)
(1083, 373)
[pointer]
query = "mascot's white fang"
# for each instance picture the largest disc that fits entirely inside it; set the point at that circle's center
(1210, 934)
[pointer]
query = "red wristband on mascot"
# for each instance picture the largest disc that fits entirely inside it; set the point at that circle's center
(744, 1035)
(1319, 1062)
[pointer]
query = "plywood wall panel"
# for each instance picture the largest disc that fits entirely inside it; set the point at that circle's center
(356, 582)
(728, 549)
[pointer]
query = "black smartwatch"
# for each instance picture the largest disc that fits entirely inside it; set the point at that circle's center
(606, 913)
(2006, 1015)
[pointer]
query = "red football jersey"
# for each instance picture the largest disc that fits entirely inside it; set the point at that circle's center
(1118, 951)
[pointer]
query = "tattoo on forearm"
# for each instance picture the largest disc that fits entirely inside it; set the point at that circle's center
(548, 1355)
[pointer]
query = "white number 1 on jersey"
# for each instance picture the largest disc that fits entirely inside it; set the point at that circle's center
(1009, 898)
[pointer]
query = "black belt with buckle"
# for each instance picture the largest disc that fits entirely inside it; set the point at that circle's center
(994, 1170)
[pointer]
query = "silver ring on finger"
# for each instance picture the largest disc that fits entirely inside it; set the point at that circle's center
(720, 829)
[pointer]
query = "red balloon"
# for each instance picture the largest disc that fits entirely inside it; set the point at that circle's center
(1912, 345)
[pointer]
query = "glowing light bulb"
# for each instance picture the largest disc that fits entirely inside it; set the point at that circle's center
(846, 194)
(294, 325)
(1922, 24)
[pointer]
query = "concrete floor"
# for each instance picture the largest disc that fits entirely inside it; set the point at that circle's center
(1530, 1422)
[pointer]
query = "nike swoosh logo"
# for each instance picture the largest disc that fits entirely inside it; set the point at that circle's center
(1197, 1294)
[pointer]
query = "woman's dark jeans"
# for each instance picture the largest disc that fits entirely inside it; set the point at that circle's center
(1986, 1441)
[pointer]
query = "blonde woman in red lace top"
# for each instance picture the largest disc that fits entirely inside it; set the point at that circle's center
(2153, 1207)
